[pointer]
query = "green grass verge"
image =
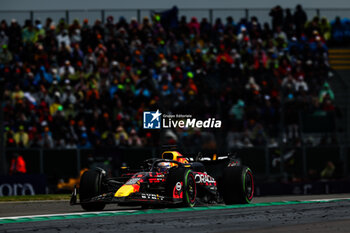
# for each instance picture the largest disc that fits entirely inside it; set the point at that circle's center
(42, 197)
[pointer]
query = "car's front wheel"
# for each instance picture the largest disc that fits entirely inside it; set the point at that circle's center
(90, 186)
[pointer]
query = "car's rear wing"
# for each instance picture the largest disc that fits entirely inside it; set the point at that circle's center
(230, 157)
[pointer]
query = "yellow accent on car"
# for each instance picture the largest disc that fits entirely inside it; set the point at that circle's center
(172, 155)
(125, 191)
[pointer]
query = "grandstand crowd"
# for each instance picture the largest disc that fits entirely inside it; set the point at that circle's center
(86, 84)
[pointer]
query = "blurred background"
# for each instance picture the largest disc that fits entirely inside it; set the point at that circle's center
(74, 85)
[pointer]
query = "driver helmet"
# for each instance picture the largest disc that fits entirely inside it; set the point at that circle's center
(164, 166)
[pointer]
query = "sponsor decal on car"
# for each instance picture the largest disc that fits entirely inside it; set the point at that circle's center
(133, 181)
(202, 178)
(177, 192)
(152, 174)
(156, 180)
(234, 164)
(151, 196)
(178, 186)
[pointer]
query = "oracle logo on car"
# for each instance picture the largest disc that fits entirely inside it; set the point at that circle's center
(204, 178)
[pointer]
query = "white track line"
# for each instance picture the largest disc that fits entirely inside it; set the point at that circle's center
(31, 202)
(331, 199)
(67, 214)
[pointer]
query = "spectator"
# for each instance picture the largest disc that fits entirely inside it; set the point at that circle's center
(21, 137)
(289, 84)
(134, 140)
(277, 17)
(301, 85)
(121, 137)
(28, 33)
(84, 142)
(67, 69)
(194, 26)
(39, 30)
(5, 55)
(280, 34)
(300, 19)
(326, 91)
(63, 40)
(18, 165)
(237, 110)
(243, 35)
(288, 21)
(46, 138)
(4, 40)
(328, 171)
(325, 29)
(15, 37)
(337, 30)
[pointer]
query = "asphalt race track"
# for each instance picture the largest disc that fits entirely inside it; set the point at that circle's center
(327, 213)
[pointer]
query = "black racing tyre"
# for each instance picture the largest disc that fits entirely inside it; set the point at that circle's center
(238, 185)
(90, 186)
(185, 177)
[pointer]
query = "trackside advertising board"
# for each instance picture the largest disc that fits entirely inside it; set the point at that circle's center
(19, 185)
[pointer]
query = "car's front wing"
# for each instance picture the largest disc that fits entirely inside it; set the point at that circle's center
(138, 198)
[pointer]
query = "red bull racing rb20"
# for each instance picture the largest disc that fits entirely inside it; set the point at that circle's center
(172, 180)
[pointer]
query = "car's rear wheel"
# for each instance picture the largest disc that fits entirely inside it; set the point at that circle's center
(181, 183)
(90, 186)
(238, 185)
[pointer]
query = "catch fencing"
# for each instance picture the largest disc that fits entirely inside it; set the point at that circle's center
(211, 14)
(286, 163)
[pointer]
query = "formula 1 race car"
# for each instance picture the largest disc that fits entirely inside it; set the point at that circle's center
(172, 180)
